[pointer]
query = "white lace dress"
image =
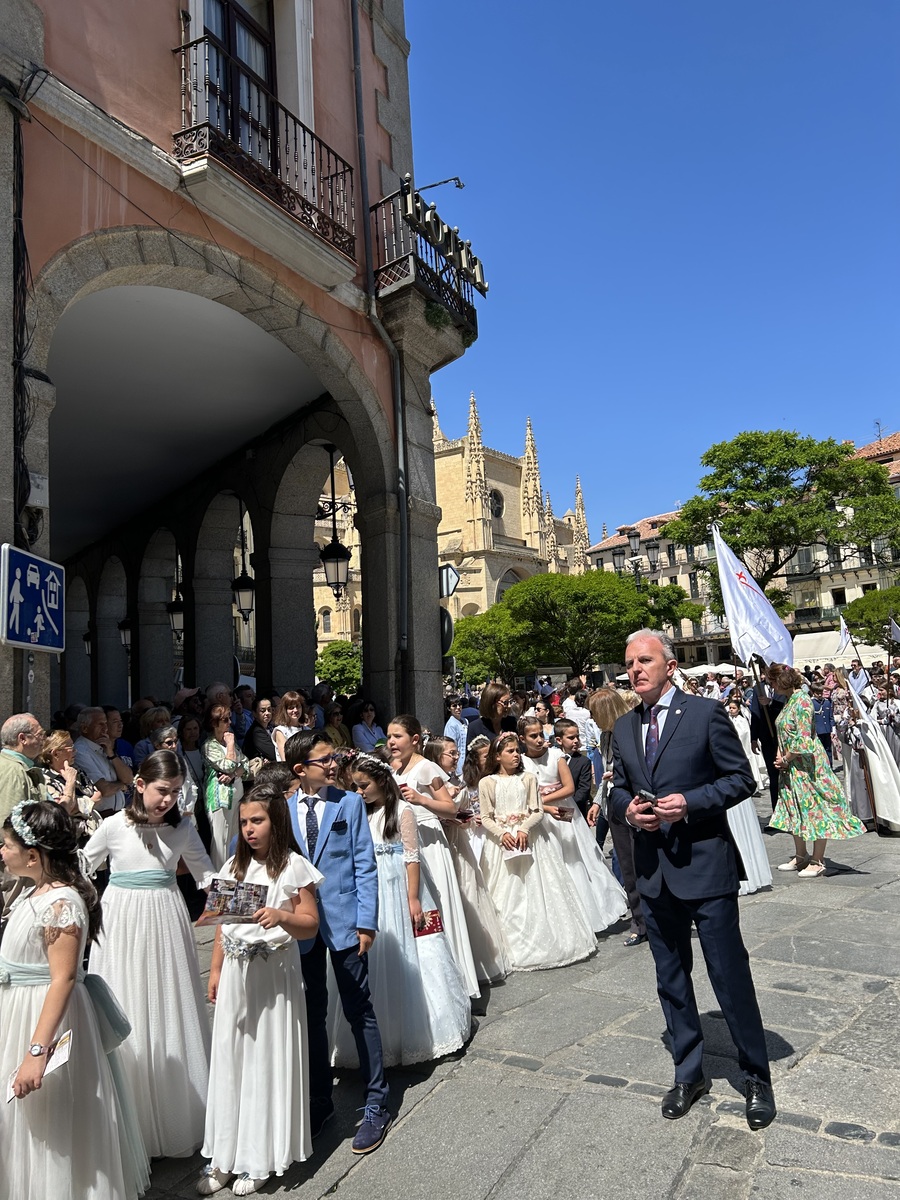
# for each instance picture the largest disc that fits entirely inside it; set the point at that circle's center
(147, 955)
(544, 921)
(601, 895)
(435, 852)
(70, 1139)
(257, 1116)
(418, 992)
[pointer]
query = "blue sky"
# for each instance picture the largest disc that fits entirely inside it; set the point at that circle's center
(688, 215)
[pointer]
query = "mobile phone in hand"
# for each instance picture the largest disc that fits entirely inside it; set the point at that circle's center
(648, 797)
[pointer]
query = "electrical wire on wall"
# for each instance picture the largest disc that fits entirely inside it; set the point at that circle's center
(28, 522)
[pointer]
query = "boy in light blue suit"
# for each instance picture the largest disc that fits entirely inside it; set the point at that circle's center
(332, 830)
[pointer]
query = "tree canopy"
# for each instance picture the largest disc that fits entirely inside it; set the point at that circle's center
(577, 620)
(867, 616)
(774, 493)
(341, 664)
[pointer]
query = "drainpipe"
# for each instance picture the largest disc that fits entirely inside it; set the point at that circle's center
(397, 375)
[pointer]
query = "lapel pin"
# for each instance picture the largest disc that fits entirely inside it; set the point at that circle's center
(677, 712)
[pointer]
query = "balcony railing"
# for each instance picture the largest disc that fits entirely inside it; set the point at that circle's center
(818, 613)
(227, 113)
(403, 257)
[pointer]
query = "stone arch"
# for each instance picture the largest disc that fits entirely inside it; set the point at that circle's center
(156, 662)
(507, 580)
(137, 255)
(294, 557)
(350, 413)
(113, 667)
(76, 683)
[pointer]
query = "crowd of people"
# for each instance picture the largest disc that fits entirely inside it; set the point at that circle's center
(398, 872)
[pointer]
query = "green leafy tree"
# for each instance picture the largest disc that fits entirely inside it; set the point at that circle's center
(774, 493)
(491, 644)
(580, 620)
(867, 616)
(341, 664)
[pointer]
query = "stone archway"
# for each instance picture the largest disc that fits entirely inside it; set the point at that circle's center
(353, 369)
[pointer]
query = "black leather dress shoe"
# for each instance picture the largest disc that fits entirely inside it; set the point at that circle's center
(679, 1099)
(636, 939)
(760, 1104)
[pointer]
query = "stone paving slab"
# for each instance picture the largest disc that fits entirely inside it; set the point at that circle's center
(838, 1088)
(791, 1148)
(773, 1183)
(558, 1093)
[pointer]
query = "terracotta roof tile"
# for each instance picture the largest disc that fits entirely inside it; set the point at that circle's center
(885, 445)
(648, 526)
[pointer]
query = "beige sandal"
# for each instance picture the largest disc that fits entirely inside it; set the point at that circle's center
(796, 864)
(813, 871)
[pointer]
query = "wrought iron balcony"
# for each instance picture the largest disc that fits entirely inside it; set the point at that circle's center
(227, 113)
(818, 613)
(413, 247)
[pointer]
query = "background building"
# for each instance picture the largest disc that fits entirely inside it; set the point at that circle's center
(822, 580)
(497, 525)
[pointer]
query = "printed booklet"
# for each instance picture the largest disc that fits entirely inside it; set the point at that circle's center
(231, 903)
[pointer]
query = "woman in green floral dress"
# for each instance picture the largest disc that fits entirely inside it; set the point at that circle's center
(811, 803)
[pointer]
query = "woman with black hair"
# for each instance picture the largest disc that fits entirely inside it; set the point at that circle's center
(76, 1134)
(148, 957)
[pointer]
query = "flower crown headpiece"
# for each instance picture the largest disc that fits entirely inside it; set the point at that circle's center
(24, 832)
(368, 761)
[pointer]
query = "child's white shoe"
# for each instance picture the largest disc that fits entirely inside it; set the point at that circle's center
(212, 1180)
(245, 1185)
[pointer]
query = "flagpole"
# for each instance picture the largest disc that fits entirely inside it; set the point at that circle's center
(759, 693)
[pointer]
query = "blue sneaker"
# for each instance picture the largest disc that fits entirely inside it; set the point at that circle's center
(373, 1129)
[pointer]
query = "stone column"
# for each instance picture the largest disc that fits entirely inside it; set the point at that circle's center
(213, 621)
(157, 660)
(293, 615)
(378, 530)
(112, 663)
(424, 348)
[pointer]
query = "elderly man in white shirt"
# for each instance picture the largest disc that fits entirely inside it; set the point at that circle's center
(96, 756)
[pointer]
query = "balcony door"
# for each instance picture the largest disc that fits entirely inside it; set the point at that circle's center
(241, 76)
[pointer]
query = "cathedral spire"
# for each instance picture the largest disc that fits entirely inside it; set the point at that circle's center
(532, 502)
(580, 538)
(550, 536)
(437, 434)
(479, 534)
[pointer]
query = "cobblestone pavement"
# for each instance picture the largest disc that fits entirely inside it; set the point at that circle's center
(557, 1095)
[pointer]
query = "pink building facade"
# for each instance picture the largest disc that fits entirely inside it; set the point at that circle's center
(220, 288)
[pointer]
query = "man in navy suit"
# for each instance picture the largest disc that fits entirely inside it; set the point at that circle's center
(332, 831)
(678, 766)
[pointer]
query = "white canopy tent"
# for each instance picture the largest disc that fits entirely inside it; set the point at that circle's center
(705, 668)
(820, 648)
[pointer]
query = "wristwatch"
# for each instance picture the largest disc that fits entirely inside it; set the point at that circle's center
(36, 1050)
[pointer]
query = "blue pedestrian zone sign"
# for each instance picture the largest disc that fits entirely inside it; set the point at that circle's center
(34, 606)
